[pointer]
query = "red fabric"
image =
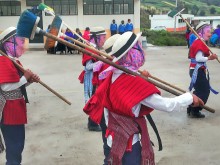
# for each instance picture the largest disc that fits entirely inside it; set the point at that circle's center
(95, 80)
(126, 92)
(198, 45)
(128, 89)
(187, 36)
(15, 112)
(81, 77)
(94, 107)
(86, 57)
(86, 35)
(8, 72)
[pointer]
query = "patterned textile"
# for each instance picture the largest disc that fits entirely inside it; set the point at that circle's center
(2, 103)
(133, 60)
(9, 95)
(195, 73)
(15, 46)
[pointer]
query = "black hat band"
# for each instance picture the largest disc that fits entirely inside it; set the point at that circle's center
(109, 49)
(126, 46)
(9, 35)
(98, 32)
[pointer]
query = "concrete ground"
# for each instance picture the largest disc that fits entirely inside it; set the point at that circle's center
(56, 133)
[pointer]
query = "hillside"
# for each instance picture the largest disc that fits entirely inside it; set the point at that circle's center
(196, 7)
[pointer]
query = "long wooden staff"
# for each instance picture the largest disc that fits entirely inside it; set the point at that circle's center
(111, 58)
(100, 58)
(53, 14)
(196, 34)
(42, 83)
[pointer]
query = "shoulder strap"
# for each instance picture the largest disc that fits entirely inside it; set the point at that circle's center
(150, 119)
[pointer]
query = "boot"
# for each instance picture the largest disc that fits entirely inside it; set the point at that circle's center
(188, 110)
(197, 114)
(92, 126)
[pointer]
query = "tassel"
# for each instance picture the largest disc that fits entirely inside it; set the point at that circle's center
(2, 148)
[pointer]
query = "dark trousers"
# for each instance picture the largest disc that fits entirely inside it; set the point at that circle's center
(113, 32)
(133, 157)
(106, 148)
(14, 137)
(202, 88)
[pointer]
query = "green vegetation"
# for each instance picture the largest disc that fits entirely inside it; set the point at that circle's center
(195, 7)
(164, 38)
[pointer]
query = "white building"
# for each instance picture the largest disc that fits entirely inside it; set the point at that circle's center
(171, 24)
(76, 13)
(213, 20)
(179, 25)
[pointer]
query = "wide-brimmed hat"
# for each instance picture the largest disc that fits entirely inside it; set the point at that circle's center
(110, 42)
(97, 31)
(7, 33)
(123, 44)
(201, 25)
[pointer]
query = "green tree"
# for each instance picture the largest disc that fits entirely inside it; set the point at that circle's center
(212, 10)
(195, 10)
(202, 13)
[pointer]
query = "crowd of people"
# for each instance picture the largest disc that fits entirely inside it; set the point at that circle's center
(114, 28)
(75, 35)
(116, 102)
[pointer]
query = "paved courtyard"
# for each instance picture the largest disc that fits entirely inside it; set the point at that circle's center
(57, 133)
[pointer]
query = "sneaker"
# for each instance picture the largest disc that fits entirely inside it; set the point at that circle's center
(95, 128)
(197, 115)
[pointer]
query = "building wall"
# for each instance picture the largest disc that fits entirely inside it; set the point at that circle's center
(80, 21)
(172, 24)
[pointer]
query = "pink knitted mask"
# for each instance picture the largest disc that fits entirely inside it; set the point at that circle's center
(133, 60)
(15, 46)
(205, 32)
(100, 40)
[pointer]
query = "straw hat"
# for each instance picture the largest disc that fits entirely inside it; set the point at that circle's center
(201, 25)
(123, 44)
(7, 33)
(109, 43)
(97, 31)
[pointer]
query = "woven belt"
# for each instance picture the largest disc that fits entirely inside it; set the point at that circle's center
(12, 95)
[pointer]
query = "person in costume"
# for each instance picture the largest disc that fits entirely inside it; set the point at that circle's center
(13, 96)
(126, 100)
(129, 26)
(87, 77)
(187, 34)
(113, 28)
(199, 55)
(86, 34)
(121, 28)
(99, 66)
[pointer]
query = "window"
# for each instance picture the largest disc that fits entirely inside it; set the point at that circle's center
(33, 2)
(10, 8)
(108, 7)
(63, 7)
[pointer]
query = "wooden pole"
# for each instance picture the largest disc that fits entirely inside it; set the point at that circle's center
(111, 58)
(100, 58)
(42, 83)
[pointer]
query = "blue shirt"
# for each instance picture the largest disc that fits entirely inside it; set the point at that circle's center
(129, 27)
(113, 27)
(192, 38)
(121, 28)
